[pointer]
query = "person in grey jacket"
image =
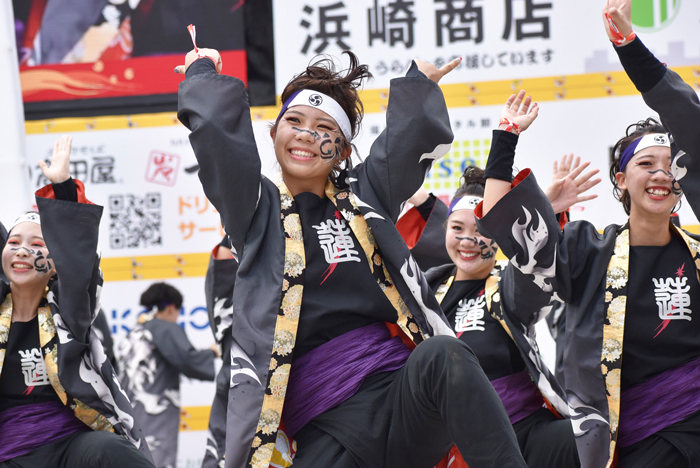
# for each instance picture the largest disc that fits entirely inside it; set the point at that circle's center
(151, 358)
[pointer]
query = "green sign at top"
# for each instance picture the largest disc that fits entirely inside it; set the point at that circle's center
(653, 15)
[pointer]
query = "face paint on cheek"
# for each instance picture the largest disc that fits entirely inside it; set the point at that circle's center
(327, 154)
(42, 264)
(331, 153)
(676, 188)
(487, 251)
(471, 239)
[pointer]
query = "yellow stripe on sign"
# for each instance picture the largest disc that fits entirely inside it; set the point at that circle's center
(482, 93)
(155, 267)
(194, 418)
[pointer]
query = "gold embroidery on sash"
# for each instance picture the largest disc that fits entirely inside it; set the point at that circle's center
(614, 330)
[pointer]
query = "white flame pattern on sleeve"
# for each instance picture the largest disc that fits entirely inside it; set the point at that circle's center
(533, 240)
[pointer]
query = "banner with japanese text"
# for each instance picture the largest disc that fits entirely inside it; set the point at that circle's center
(498, 39)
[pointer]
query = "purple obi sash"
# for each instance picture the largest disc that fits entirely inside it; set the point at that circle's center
(659, 402)
(333, 372)
(519, 395)
(26, 427)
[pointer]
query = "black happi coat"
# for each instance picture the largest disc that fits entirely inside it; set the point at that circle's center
(214, 107)
(218, 290)
(77, 365)
(574, 266)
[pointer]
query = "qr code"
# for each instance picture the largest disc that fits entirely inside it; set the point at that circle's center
(135, 221)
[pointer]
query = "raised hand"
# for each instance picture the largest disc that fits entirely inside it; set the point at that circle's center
(193, 55)
(564, 166)
(435, 73)
(620, 12)
(569, 190)
(59, 170)
(518, 110)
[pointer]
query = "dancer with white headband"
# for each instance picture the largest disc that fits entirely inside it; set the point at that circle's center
(340, 355)
(469, 291)
(632, 362)
(61, 404)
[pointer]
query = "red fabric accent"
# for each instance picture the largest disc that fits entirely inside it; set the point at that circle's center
(453, 459)
(522, 175)
(551, 408)
(47, 192)
(478, 211)
(36, 13)
(215, 251)
(563, 219)
(411, 227)
(395, 330)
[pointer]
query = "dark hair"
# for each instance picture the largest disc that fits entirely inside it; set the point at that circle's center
(473, 183)
(341, 85)
(633, 133)
(161, 295)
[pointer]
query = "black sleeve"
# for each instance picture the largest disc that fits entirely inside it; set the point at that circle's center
(200, 66)
(500, 163)
(172, 343)
(426, 208)
(66, 190)
(645, 70)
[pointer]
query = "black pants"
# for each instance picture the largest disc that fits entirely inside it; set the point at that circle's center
(88, 449)
(411, 417)
(216, 439)
(547, 441)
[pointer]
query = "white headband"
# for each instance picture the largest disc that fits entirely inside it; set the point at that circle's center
(26, 218)
(647, 141)
(309, 97)
(464, 203)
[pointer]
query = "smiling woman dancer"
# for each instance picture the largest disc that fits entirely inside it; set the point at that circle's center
(632, 360)
(326, 288)
(468, 290)
(60, 402)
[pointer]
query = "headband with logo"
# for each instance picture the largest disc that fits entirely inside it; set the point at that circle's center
(311, 98)
(647, 141)
(26, 218)
(464, 203)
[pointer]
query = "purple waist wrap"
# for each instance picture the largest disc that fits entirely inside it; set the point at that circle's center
(333, 372)
(659, 402)
(519, 395)
(26, 427)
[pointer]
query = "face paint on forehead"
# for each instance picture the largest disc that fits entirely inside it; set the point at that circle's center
(314, 134)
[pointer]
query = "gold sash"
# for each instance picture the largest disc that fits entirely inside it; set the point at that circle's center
(267, 435)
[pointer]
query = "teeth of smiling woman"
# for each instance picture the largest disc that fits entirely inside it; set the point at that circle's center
(469, 255)
(658, 193)
(302, 154)
(20, 266)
